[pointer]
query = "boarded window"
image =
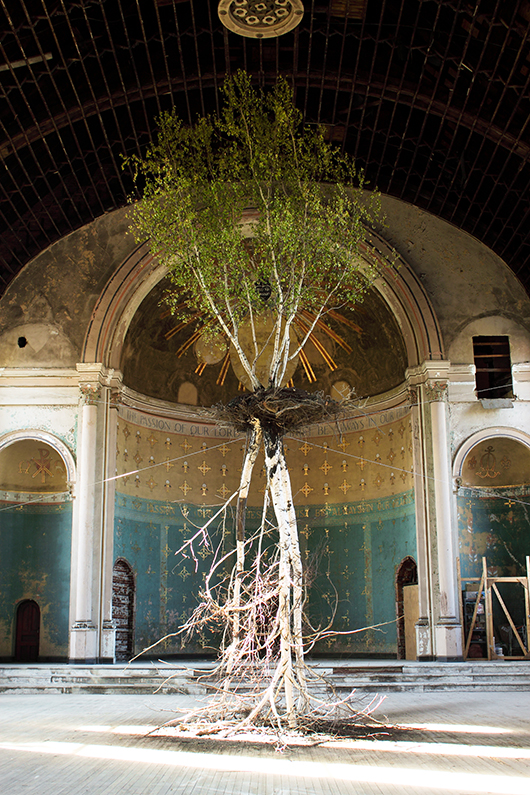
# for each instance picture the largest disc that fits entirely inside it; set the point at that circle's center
(493, 367)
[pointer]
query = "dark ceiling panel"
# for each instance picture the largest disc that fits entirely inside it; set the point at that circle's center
(432, 97)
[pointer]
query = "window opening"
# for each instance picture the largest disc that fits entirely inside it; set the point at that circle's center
(493, 367)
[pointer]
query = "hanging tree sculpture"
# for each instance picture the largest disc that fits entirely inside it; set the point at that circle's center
(258, 220)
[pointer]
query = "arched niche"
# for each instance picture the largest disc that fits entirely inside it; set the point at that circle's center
(492, 471)
(36, 474)
(51, 443)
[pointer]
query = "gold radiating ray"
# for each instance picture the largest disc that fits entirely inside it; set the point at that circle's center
(311, 377)
(329, 331)
(180, 327)
(318, 345)
(224, 369)
(189, 342)
(334, 315)
(173, 310)
(200, 368)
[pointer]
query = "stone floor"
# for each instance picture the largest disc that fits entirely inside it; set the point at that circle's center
(97, 745)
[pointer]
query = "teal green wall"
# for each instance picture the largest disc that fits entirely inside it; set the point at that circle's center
(356, 547)
(35, 550)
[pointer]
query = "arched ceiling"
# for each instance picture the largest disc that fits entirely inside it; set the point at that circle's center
(432, 97)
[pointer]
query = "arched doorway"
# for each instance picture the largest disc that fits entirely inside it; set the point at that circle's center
(27, 631)
(123, 608)
(406, 608)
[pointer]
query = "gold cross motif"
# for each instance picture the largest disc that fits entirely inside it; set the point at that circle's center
(152, 441)
(305, 448)
(151, 483)
(362, 464)
(306, 531)
(204, 468)
(43, 464)
(306, 490)
(325, 467)
(344, 486)
(343, 444)
(224, 449)
(185, 488)
(223, 491)
(168, 464)
(185, 446)
(391, 455)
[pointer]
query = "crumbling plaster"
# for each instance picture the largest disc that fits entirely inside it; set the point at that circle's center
(50, 302)
(464, 280)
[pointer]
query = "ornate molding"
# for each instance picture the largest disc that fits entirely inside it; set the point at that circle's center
(260, 19)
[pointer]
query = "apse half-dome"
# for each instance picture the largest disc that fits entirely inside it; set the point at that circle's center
(360, 347)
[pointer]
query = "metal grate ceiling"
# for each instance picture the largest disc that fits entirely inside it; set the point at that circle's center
(432, 97)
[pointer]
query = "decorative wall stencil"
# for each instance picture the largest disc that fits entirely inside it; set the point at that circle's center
(488, 464)
(327, 498)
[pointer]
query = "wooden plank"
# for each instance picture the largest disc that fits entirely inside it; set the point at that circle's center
(489, 611)
(474, 617)
(508, 616)
(461, 601)
(527, 599)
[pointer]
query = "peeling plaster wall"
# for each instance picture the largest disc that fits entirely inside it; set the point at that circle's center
(51, 300)
(463, 279)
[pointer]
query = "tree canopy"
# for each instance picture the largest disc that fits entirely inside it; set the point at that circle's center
(254, 213)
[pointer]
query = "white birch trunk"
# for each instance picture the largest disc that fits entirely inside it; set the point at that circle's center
(251, 453)
(290, 576)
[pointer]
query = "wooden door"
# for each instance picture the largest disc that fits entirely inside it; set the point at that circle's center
(411, 614)
(27, 632)
(123, 608)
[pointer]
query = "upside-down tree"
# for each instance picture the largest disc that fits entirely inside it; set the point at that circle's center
(259, 220)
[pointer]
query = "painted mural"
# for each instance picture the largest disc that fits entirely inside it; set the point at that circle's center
(355, 508)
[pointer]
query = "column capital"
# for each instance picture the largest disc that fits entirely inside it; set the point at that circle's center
(436, 391)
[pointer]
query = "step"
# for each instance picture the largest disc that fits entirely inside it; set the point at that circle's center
(192, 678)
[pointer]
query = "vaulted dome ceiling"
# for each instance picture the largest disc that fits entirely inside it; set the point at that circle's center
(431, 97)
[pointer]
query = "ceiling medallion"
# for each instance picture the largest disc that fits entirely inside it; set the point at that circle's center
(260, 19)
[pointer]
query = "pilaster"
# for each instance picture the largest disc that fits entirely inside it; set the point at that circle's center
(438, 630)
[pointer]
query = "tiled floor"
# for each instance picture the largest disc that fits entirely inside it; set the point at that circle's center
(97, 744)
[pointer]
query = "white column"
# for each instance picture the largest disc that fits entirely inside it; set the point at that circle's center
(84, 632)
(448, 637)
(107, 652)
(424, 625)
